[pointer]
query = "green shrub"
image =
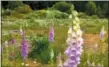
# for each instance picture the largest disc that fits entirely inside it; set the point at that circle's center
(63, 7)
(23, 9)
(40, 49)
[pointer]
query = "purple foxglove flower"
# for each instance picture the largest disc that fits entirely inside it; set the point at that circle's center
(101, 35)
(13, 40)
(24, 48)
(74, 49)
(67, 52)
(51, 34)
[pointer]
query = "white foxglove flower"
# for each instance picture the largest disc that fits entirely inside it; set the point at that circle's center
(77, 19)
(70, 16)
(79, 33)
(102, 33)
(70, 30)
(21, 31)
(74, 22)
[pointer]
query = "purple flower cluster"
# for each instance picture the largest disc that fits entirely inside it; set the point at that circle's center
(74, 49)
(24, 48)
(51, 34)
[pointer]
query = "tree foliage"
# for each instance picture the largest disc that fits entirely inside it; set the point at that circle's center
(91, 8)
(64, 7)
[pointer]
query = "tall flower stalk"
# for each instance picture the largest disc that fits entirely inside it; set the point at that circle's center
(51, 40)
(74, 41)
(24, 48)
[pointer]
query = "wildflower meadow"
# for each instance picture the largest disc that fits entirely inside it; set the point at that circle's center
(53, 34)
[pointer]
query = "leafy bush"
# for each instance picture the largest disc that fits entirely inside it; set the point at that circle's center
(40, 49)
(63, 7)
(23, 9)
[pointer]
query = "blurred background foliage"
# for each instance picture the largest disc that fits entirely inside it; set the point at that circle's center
(89, 7)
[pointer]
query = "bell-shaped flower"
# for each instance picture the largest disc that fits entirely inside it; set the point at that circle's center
(70, 31)
(70, 16)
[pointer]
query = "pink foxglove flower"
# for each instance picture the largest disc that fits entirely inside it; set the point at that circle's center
(24, 48)
(51, 34)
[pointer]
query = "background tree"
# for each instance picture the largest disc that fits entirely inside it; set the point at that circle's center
(91, 8)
